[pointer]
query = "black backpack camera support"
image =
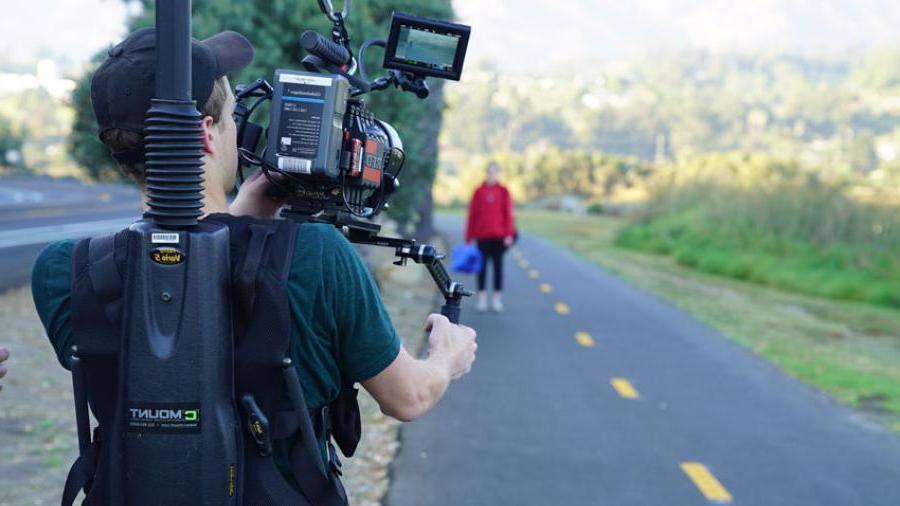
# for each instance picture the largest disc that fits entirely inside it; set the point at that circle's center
(175, 414)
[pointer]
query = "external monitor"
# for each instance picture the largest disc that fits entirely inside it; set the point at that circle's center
(426, 47)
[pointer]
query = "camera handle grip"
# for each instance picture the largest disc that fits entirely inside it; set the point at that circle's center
(315, 44)
(451, 311)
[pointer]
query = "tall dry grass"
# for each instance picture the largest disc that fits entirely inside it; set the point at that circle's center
(755, 218)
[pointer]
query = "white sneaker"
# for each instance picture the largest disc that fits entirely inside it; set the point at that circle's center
(482, 304)
(497, 305)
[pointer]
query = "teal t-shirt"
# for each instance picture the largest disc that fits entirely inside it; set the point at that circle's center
(340, 329)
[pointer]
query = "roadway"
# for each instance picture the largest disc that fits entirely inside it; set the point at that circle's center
(588, 391)
(37, 211)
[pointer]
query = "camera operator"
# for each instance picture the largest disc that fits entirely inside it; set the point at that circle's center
(340, 331)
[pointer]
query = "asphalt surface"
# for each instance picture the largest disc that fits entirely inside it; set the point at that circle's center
(37, 211)
(538, 422)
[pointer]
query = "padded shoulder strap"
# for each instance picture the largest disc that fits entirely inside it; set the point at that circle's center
(257, 244)
(246, 274)
(106, 278)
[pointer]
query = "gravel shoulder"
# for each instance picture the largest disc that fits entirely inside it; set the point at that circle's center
(37, 418)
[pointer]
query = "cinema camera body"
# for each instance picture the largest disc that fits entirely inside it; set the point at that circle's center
(325, 151)
(337, 161)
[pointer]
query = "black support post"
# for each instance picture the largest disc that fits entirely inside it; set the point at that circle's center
(174, 168)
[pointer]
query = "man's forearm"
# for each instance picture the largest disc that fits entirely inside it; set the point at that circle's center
(409, 387)
(435, 379)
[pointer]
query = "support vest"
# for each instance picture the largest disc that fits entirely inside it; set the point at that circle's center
(267, 390)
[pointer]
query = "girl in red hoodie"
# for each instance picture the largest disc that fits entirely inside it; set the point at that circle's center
(491, 223)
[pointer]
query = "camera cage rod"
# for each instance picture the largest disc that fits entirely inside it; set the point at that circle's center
(365, 232)
(430, 257)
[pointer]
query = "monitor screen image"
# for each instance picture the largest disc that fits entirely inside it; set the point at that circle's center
(424, 47)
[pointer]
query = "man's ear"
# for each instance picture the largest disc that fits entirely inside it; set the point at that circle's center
(206, 124)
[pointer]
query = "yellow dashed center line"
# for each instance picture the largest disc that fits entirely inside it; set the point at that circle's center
(546, 288)
(584, 339)
(561, 308)
(709, 486)
(624, 388)
(534, 274)
(523, 264)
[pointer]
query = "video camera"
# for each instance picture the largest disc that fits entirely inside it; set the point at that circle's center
(338, 163)
(335, 161)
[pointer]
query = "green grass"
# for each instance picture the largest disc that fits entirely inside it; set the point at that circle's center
(791, 265)
(809, 238)
(849, 350)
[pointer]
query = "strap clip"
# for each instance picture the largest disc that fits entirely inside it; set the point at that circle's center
(257, 425)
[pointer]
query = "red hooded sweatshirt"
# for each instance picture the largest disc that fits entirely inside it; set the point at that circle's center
(490, 213)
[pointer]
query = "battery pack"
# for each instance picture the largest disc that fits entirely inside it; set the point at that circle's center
(308, 114)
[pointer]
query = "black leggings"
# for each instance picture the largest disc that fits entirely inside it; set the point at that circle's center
(492, 250)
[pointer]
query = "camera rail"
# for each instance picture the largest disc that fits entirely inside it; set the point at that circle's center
(366, 232)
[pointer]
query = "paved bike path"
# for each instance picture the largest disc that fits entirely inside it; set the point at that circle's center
(538, 422)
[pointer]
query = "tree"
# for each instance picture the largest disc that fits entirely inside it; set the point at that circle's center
(11, 141)
(84, 145)
(274, 28)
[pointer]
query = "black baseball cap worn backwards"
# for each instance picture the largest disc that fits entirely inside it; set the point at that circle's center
(124, 84)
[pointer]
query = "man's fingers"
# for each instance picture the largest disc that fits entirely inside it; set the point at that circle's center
(253, 177)
(433, 320)
(259, 183)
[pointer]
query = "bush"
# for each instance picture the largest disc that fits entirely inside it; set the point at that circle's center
(765, 221)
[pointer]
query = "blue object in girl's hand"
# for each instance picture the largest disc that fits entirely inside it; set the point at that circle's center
(466, 259)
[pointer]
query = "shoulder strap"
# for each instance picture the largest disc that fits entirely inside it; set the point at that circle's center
(81, 474)
(316, 479)
(270, 244)
(100, 291)
(246, 274)
(318, 484)
(106, 278)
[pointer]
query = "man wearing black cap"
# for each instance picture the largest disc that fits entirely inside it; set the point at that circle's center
(340, 331)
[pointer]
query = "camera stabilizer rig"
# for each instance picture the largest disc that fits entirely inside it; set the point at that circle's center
(333, 160)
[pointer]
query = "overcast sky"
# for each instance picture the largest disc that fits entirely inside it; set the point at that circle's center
(66, 29)
(518, 33)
